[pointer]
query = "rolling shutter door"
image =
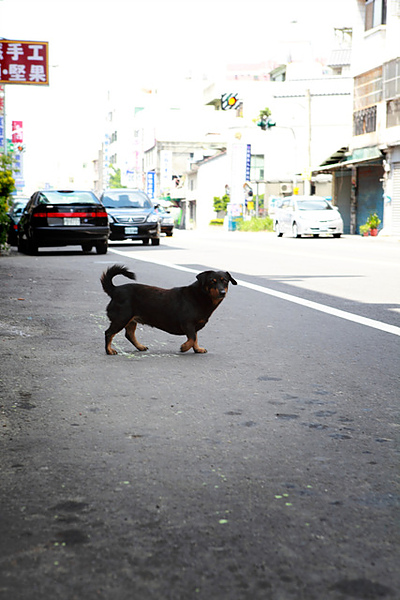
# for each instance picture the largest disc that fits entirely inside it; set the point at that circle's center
(396, 200)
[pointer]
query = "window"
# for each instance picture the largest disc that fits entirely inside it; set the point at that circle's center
(364, 121)
(391, 79)
(257, 167)
(368, 89)
(375, 13)
(393, 113)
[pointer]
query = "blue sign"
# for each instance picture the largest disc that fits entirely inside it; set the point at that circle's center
(1, 132)
(248, 162)
(150, 184)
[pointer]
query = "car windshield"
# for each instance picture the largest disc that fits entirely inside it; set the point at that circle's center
(313, 205)
(126, 199)
(18, 207)
(61, 197)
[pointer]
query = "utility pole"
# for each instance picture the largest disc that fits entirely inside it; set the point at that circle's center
(307, 182)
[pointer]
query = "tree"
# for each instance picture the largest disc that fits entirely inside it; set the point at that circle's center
(220, 204)
(115, 178)
(7, 186)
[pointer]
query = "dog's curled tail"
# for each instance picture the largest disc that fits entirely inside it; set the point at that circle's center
(107, 277)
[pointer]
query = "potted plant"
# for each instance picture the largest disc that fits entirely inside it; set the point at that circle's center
(373, 222)
(364, 230)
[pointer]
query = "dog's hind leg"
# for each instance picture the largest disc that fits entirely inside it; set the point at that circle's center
(130, 335)
(192, 343)
(114, 328)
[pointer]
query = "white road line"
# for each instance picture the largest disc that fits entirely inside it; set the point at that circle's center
(342, 314)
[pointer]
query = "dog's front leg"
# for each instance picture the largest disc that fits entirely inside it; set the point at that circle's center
(192, 343)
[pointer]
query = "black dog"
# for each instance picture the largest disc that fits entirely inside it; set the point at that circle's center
(181, 311)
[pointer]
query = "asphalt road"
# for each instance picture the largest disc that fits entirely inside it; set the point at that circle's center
(264, 469)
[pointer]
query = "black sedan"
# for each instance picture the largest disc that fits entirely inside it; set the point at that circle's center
(132, 215)
(14, 215)
(63, 218)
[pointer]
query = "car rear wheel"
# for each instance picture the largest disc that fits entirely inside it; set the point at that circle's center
(155, 242)
(87, 247)
(102, 247)
(295, 231)
(337, 235)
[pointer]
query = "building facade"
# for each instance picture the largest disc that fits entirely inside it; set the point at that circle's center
(367, 178)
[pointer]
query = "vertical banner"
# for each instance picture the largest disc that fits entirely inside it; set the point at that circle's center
(17, 132)
(150, 184)
(248, 162)
(2, 118)
(165, 170)
(2, 138)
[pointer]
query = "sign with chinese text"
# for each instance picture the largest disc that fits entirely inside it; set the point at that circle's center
(2, 141)
(24, 62)
(165, 170)
(248, 162)
(150, 184)
(17, 132)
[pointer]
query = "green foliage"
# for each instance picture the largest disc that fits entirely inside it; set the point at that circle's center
(7, 186)
(265, 113)
(254, 224)
(221, 203)
(115, 179)
(373, 221)
(364, 229)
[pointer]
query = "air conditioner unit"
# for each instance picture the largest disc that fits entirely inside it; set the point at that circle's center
(286, 188)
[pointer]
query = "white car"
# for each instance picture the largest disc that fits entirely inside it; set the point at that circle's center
(307, 215)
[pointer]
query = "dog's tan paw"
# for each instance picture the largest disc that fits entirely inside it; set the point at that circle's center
(111, 351)
(199, 350)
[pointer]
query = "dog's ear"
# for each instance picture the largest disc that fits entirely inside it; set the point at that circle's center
(203, 277)
(231, 278)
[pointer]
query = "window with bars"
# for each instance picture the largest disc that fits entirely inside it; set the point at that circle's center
(364, 121)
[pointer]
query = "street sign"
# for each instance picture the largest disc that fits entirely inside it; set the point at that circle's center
(24, 62)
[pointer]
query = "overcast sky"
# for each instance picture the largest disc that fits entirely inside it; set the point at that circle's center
(96, 45)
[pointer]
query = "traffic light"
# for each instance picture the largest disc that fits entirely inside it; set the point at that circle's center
(266, 123)
(229, 101)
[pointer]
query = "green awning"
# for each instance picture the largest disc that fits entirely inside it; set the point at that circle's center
(358, 156)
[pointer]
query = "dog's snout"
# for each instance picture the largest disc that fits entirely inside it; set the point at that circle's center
(222, 292)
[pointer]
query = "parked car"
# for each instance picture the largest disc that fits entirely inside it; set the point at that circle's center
(14, 215)
(167, 221)
(132, 215)
(63, 218)
(307, 215)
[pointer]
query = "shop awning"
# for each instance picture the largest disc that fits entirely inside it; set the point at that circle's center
(358, 156)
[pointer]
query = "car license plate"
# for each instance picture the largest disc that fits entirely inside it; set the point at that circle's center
(131, 230)
(72, 221)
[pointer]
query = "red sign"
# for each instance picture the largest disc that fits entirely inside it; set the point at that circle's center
(17, 132)
(24, 62)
